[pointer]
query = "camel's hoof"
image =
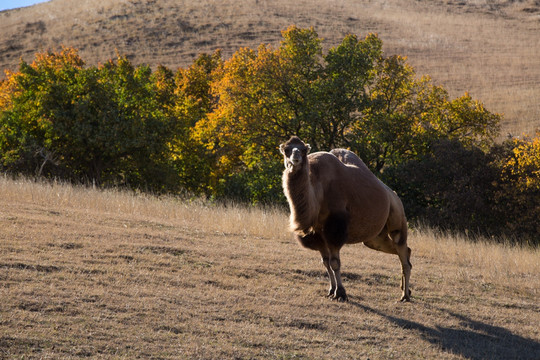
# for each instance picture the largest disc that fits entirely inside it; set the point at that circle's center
(340, 295)
(331, 293)
(406, 298)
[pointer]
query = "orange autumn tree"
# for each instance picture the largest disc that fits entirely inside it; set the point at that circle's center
(253, 113)
(352, 96)
(193, 101)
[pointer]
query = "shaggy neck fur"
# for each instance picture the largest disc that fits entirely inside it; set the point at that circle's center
(301, 198)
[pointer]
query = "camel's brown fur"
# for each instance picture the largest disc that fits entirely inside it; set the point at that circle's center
(335, 200)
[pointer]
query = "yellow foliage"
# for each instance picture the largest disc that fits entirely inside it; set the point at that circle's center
(67, 56)
(525, 164)
(56, 61)
(8, 89)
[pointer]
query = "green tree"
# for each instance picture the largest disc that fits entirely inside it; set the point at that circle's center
(136, 134)
(406, 116)
(32, 98)
(451, 188)
(343, 88)
(105, 124)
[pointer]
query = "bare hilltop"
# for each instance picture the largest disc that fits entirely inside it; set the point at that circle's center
(489, 48)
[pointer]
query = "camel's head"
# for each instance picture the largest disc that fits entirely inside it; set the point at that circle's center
(294, 152)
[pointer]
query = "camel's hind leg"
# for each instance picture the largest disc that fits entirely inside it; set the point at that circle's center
(396, 243)
(400, 241)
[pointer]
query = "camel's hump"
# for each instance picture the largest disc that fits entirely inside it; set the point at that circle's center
(349, 158)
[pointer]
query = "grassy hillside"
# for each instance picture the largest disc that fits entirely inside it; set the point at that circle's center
(490, 48)
(107, 274)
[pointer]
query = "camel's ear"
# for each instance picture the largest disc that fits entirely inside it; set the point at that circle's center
(308, 148)
(282, 149)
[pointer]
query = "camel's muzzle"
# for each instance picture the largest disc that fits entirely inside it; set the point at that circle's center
(296, 157)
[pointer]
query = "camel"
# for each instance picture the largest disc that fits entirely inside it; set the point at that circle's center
(335, 200)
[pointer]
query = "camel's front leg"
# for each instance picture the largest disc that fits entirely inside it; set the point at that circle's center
(335, 266)
(335, 234)
(326, 262)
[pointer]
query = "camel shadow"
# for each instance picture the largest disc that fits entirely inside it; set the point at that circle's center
(473, 340)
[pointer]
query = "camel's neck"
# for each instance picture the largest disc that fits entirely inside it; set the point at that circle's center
(301, 198)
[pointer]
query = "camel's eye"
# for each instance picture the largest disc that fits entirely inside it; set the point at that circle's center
(288, 152)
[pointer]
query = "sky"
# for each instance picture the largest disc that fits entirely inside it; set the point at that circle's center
(12, 4)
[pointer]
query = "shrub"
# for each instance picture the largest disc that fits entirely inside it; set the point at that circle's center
(468, 190)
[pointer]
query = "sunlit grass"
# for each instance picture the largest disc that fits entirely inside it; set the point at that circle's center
(114, 274)
(495, 261)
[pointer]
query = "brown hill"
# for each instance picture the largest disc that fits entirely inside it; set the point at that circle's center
(491, 49)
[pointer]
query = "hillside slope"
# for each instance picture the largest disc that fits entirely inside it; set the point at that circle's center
(491, 49)
(107, 274)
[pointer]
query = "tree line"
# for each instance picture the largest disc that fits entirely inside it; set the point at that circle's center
(213, 129)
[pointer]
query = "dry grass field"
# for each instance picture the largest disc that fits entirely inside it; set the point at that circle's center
(489, 48)
(108, 274)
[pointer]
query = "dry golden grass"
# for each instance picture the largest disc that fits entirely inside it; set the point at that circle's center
(110, 274)
(489, 48)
